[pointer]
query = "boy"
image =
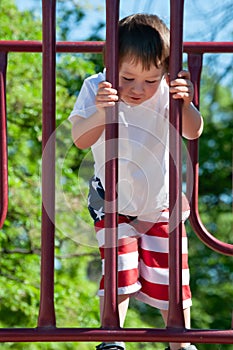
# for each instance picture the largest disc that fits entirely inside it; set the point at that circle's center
(143, 99)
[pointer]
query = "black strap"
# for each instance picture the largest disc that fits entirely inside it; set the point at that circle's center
(109, 346)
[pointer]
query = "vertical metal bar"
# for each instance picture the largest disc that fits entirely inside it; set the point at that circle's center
(3, 141)
(175, 314)
(195, 68)
(110, 317)
(47, 312)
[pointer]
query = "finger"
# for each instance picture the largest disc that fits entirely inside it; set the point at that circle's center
(181, 82)
(104, 84)
(184, 74)
(183, 87)
(106, 100)
(105, 104)
(105, 88)
(183, 95)
(107, 92)
(106, 95)
(180, 89)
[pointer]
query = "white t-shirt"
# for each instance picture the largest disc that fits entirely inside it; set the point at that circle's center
(143, 160)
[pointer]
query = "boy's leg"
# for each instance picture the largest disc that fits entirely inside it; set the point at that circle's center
(123, 303)
(154, 271)
(127, 271)
(127, 248)
(127, 255)
(154, 266)
(177, 346)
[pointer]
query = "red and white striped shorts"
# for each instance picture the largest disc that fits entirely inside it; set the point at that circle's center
(143, 261)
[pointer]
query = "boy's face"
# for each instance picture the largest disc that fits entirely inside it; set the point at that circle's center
(136, 85)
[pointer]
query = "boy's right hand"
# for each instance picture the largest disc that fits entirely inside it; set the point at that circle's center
(106, 96)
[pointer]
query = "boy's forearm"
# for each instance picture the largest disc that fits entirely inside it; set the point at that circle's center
(86, 131)
(192, 122)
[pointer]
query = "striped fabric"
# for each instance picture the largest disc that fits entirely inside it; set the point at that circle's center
(143, 254)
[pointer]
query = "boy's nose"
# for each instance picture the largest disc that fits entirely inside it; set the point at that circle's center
(137, 88)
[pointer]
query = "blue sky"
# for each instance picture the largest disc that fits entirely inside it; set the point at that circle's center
(200, 16)
(203, 20)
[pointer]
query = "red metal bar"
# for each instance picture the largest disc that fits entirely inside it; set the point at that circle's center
(47, 313)
(36, 46)
(208, 47)
(62, 46)
(97, 46)
(175, 314)
(195, 67)
(3, 141)
(126, 334)
(195, 220)
(110, 317)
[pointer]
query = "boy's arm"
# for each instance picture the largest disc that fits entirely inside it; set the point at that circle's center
(192, 121)
(86, 131)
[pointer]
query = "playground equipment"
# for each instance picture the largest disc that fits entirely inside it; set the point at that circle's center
(46, 329)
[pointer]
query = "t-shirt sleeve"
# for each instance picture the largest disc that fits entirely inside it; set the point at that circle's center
(85, 103)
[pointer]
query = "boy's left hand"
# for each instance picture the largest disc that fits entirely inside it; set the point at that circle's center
(182, 87)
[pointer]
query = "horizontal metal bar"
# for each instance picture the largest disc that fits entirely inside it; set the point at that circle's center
(97, 46)
(208, 47)
(36, 46)
(49, 334)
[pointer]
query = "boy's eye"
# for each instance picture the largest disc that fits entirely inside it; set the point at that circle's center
(128, 79)
(151, 81)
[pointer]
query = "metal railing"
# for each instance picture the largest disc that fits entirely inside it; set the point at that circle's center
(46, 329)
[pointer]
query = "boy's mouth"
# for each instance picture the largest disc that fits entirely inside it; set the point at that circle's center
(132, 100)
(135, 99)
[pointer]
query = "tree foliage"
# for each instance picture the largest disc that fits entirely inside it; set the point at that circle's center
(77, 266)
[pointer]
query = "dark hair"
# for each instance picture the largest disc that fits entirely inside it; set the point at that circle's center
(146, 39)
